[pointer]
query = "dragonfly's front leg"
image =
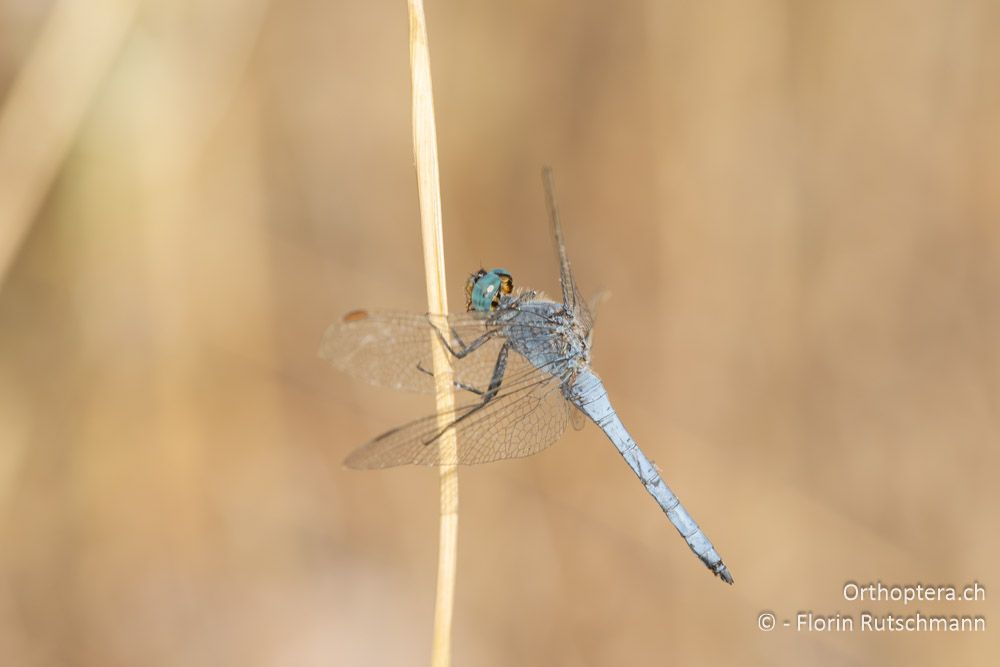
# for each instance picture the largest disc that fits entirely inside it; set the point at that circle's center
(499, 368)
(498, 372)
(458, 385)
(457, 347)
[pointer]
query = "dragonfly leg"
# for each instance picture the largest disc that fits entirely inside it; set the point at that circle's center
(488, 394)
(498, 372)
(457, 347)
(458, 385)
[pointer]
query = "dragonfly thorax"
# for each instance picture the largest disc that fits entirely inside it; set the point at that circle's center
(544, 332)
(484, 289)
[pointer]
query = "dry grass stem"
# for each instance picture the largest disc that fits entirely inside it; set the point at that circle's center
(45, 106)
(429, 190)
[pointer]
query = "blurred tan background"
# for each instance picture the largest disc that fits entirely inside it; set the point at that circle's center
(795, 205)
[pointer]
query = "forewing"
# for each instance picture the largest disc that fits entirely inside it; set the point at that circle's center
(393, 349)
(527, 415)
(571, 295)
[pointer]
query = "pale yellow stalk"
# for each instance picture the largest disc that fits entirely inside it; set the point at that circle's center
(46, 104)
(429, 191)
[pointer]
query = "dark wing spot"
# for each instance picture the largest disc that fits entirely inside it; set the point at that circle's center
(356, 316)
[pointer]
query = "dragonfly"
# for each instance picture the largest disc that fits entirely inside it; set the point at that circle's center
(520, 366)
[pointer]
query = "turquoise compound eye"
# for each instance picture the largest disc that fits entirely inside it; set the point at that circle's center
(488, 287)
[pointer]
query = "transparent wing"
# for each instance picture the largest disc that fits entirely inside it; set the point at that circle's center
(527, 415)
(571, 295)
(393, 349)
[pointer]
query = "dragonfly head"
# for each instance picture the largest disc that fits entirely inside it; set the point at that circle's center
(484, 289)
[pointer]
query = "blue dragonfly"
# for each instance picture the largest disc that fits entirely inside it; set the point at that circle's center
(521, 370)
